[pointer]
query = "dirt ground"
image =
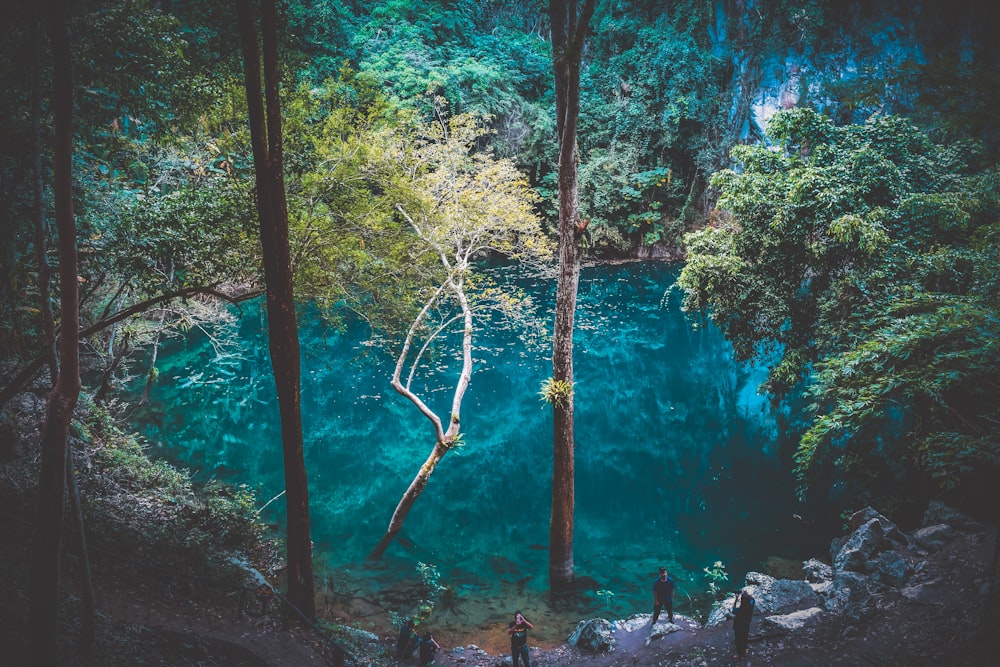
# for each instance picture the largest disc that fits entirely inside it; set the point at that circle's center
(945, 628)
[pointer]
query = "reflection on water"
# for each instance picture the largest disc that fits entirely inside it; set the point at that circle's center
(678, 460)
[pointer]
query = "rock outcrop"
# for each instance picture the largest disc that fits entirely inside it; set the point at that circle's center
(594, 635)
(872, 568)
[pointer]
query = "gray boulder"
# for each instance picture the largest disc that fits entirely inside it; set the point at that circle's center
(932, 538)
(778, 596)
(892, 569)
(661, 630)
(816, 571)
(784, 623)
(853, 594)
(721, 612)
(773, 596)
(938, 513)
(634, 623)
(836, 544)
(594, 635)
(889, 529)
(876, 547)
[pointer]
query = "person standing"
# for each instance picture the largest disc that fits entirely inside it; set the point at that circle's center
(663, 596)
(428, 648)
(743, 606)
(518, 631)
(407, 641)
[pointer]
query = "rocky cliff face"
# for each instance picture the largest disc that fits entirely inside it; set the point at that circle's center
(847, 59)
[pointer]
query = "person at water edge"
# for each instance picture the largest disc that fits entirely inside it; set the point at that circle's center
(407, 641)
(743, 606)
(518, 631)
(428, 647)
(663, 596)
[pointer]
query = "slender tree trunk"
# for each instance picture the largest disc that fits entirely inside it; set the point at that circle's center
(282, 326)
(88, 614)
(41, 231)
(568, 30)
(44, 579)
(151, 373)
(106, 378)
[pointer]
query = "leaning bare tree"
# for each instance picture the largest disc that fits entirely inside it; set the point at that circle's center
(462, 206)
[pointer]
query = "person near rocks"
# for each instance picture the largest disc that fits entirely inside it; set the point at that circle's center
(518, 632)
(428, 647)
(408, 640)
(743, 606)
(663, 596)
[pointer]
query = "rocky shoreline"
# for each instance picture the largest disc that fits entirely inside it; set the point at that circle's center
(886, 597)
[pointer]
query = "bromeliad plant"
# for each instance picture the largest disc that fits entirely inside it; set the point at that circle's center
(556, 392)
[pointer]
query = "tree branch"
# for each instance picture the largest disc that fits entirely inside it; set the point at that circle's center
(29, 371)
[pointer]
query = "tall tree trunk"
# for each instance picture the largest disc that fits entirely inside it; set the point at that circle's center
(88, 614)
(44, 579)
(282, 327)
(41, 231)
(568, 31)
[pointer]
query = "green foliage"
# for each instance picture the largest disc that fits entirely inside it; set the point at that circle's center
(386, 196)
(716, 575)
(859, 255)
(606, 596)
(430, 590)
(152, 508)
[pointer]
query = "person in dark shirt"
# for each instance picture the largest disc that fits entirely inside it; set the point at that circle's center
(428, 647)
(743, 606)
(663, 596)
(518, 631)
(407, 641)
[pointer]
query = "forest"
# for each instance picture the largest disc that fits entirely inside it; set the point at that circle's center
(820, 177)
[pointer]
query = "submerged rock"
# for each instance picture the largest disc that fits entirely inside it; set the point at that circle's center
(782, 568)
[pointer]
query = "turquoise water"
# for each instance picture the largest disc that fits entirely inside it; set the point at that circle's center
(678, 460)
